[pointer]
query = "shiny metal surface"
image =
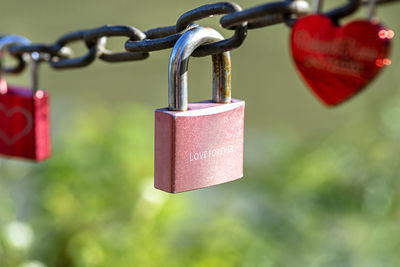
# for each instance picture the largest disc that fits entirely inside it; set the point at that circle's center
(266, 14)
(371, 9)
(317, 6)
(35, 61)
(9, 40)
(178, 67)
(6, 42)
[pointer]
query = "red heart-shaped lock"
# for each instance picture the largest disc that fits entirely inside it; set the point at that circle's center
(337, 62)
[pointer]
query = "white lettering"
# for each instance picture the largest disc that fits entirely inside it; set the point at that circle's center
(210, 153)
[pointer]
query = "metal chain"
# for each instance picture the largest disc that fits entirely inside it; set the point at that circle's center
(139, 43)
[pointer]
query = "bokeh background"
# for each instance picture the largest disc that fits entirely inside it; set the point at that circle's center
(321, 185)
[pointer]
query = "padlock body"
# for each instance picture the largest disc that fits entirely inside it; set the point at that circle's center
(200, 147)
(24, 123)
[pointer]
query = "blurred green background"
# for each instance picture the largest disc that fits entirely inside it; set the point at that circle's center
(321, 185)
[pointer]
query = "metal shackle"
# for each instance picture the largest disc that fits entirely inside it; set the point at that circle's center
(317, 6)
(178, 67)
(371, 9)
(35, 57)
(7, 41)
(340, 12)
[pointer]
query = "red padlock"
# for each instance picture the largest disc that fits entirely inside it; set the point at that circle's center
(24, 119)
(339, 61)
(198, 144)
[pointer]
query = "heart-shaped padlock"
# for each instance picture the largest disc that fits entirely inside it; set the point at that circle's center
(339, 61)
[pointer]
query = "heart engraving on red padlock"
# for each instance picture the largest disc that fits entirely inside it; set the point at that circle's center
(338, 61)
(9, 114)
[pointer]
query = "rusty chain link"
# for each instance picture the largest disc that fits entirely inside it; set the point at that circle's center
(139, 43)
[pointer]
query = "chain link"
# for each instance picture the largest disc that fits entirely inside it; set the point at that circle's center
(157, 39)
(139, 43)
(132, 33)
(88, 58)
(265, 15)
(210, 10)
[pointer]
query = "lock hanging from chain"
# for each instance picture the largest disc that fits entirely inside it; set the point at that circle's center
(24, 112)
(198, 144)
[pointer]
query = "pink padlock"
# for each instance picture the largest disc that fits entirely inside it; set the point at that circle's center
(198, 144)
